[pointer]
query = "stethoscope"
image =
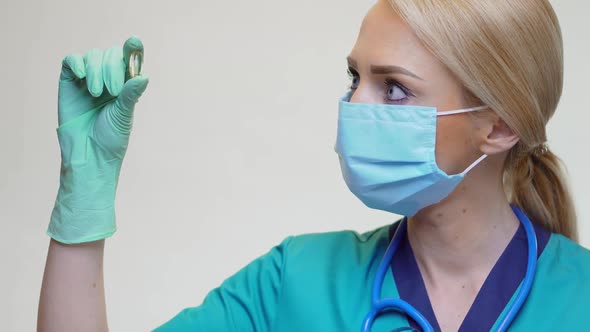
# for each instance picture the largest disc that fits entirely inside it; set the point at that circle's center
(379, 306)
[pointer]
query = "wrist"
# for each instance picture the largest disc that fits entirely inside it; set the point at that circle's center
(84, 209)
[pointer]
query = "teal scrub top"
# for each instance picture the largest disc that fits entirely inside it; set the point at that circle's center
(322, 282)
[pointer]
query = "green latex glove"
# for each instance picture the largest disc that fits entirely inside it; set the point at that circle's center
(96, 101)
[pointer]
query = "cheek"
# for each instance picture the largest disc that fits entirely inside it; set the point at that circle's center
(453, 143)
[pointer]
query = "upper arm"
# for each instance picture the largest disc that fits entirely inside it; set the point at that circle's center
(246, 301)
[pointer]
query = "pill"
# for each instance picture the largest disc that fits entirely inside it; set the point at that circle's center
(135, 63)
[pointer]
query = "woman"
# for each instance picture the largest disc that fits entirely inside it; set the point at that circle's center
(438, 87)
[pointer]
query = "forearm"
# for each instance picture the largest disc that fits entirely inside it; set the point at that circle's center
(95, 113)
(72, 293)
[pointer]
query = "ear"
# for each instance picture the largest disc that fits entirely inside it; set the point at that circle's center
(495, 136)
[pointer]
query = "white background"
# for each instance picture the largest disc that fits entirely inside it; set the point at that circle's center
(232, 147)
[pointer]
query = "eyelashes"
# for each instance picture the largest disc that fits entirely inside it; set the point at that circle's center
(393, 91)
(354, 78)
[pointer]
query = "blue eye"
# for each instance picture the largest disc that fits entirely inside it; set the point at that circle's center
(354, 78)
(355, 83)
(396, 92)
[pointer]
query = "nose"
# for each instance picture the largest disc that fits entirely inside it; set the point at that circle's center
(363, 94)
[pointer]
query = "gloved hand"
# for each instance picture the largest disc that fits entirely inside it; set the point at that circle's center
(94, 127)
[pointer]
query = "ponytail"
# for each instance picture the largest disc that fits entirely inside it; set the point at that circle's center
(536, 183)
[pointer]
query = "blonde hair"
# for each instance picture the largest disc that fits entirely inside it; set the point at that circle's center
(509, 55)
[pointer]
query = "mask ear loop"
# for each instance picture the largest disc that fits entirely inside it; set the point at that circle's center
(474, 164)
(473, 109)
(466, 110)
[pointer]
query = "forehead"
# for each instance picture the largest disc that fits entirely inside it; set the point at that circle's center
(385, 39)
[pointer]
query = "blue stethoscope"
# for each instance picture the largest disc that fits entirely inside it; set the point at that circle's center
(380, 306)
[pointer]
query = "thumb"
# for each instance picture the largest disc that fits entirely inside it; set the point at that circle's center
(122, 112)
(130, 93)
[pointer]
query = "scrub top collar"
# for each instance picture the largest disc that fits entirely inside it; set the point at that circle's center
(494, 295)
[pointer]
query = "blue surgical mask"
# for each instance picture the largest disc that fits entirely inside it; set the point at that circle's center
(387, 155)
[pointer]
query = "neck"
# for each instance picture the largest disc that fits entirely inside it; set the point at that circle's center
(465, 234)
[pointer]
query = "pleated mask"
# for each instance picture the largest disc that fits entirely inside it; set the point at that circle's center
(387, 155)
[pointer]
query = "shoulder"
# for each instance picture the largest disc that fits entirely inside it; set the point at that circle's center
(319, 256)
(567, 255)
(563, 271)
(329, 269)
(345, 243)
(565, 265)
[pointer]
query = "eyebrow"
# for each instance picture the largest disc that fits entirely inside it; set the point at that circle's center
(380, 70)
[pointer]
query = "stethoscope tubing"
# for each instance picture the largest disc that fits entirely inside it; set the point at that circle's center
(379, 306)
(527, 283)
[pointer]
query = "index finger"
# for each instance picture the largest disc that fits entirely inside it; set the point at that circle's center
(131, 44)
